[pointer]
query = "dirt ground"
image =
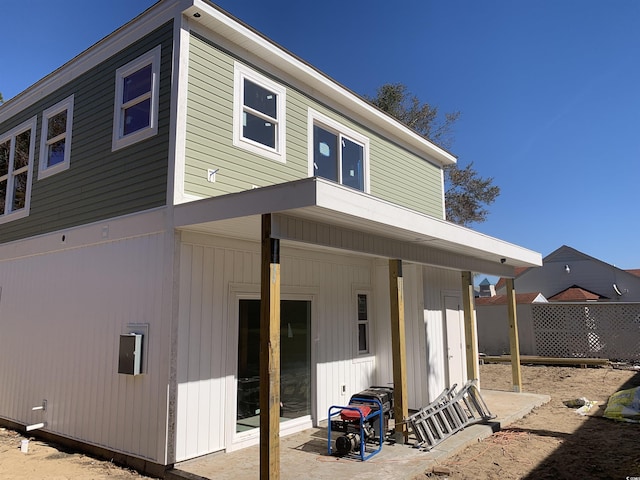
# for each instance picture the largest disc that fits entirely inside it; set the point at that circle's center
(553, 442)
(43, 461)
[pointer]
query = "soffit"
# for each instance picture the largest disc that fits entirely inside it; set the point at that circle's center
(338, 211)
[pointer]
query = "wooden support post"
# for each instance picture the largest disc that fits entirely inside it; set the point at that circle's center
(399, 350)
(269, 354)
(514, 342)
(471, 344)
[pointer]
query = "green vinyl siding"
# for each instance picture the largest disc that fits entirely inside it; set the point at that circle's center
(210, 131)
(401, 177)
(396, 175)
(99, 184)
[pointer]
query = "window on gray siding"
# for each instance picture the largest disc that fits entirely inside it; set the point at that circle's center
(136, 103)
(259, 117)
(338, 153)
(55, 139)
(16, 171)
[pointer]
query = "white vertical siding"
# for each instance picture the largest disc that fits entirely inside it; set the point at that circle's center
(205, 273)
(437, 282)
(418, 366)
(61, 315)
(212, 271)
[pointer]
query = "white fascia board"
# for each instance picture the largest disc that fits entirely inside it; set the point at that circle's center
(332, 202)
(154, 17)
(217, 20)
(258, 201)
(340, 199)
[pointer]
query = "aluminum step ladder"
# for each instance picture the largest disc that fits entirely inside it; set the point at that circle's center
(449, 413)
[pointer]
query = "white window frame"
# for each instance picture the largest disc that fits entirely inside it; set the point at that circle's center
(242, 72)
(316, 118)
(44, 170)
(368, 353)
(120, 140)
(8, 215)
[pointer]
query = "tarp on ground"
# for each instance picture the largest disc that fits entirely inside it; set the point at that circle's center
(624, 406)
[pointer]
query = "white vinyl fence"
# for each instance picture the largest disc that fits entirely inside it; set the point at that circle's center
(587, 330)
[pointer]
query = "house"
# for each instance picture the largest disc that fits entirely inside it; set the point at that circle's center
(486, 289)
(569, 275)
(591, 310)
(142, 183)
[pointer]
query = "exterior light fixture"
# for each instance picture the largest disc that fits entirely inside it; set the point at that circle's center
(567, 268)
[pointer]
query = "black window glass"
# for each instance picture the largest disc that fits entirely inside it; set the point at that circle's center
(21, 155)
(19, 191)
(137, 117)
(362, 338)
(5, 149)
(57, 125)
(352, 160)
(56, 153)
(260, 99)
(325, 154)
(259, 130)
(137, 84)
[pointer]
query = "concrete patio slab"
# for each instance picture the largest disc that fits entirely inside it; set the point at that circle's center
(304, 455)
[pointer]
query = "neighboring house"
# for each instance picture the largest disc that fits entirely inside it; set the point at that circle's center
(568, 275)
(593, 310)
(486, 289)
(134, 181)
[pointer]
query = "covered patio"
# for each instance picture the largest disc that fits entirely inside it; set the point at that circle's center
(304, 455)
(332, 217)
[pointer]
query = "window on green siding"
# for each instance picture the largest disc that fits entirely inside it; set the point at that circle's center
(259, 116)
(55, 139)
(16, 171)
(338, 153)
(135, 116)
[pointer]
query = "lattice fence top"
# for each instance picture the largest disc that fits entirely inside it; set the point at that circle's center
(587, 330)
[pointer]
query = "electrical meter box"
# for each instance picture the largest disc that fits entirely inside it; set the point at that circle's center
(130, 356)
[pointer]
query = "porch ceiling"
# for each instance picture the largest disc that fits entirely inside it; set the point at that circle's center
(319, 212)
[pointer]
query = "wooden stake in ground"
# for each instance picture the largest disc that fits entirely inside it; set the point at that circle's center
(514, 342)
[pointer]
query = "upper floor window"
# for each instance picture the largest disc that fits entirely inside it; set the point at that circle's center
(338, 153)
(135, 114)
(258, 114)
(55, 139)
(16, 171)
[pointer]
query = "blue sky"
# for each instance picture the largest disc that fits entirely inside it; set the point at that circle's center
(549, 91)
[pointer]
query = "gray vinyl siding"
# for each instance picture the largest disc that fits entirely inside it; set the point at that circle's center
(99, 184)
(397, 175)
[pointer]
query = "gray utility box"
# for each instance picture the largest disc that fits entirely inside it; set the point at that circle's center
(130, 356)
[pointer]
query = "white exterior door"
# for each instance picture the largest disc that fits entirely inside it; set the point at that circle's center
(454, 341)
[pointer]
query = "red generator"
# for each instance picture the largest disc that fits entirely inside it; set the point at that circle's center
(364, 420)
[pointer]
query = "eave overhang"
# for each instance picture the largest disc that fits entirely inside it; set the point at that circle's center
(318, 212)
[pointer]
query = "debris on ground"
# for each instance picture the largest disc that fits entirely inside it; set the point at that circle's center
(582, 404)
(624, 406)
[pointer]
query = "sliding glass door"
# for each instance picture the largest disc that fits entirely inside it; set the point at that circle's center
(295, 362)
